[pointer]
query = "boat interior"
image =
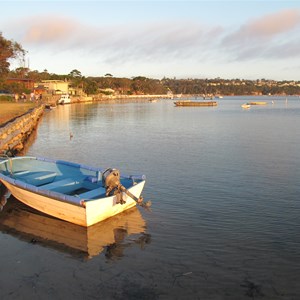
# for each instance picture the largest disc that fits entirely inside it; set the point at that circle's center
(61, 177)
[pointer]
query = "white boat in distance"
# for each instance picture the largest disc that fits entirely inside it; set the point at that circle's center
(64, 99)
(76, 193)
(246, 106)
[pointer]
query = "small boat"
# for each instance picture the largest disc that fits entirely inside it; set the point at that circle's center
(195, 103)
(64, 99)
(258, 103)
(208, 96)
(246, 106)
(50, 106)
(76, 193)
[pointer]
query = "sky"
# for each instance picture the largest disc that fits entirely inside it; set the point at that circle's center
(242, 39)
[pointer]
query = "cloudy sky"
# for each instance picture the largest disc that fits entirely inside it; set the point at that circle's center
(184, 39)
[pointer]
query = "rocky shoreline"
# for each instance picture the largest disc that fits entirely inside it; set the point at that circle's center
(16, 132)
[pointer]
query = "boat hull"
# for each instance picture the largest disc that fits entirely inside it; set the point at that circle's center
(246, 106)
(258, 103)
(195, 103)
(64, 99)
(90, 213)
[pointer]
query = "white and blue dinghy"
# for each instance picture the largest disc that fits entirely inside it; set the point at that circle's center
(76, 193)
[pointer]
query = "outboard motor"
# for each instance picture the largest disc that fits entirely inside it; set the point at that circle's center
(112, 184)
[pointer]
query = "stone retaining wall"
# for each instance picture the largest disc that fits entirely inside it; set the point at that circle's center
(14, 133)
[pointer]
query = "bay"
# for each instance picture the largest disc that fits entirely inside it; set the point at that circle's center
(224, 186)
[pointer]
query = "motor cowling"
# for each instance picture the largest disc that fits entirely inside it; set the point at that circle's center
(111, 182)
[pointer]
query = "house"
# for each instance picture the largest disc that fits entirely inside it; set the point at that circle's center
(40, 89)
(27, 83)
(56, 86)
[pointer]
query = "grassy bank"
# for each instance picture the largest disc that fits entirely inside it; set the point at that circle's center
(10, 110)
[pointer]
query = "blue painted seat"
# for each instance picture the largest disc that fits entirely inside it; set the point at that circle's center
(56, 184)
(98, 192)
(36, 178)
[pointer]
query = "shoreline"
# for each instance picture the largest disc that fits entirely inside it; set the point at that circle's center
(19, 119)
(15, 133)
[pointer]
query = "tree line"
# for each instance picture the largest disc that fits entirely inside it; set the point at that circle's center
(139, 85)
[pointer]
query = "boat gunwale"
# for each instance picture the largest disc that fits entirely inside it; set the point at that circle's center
(77, 201)
(46, 193)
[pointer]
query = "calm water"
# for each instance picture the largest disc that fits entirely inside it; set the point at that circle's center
(224, 186)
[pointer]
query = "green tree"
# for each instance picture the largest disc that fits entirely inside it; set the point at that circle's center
(75, 74)
(77, 80)
(8, 50)
(90, 87)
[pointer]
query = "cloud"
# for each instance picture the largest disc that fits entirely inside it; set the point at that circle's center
(150, 41)
(287, 50)
(265, 27)
(267, 37)
(45, 30)
(165, 43)
(274, 24)
(56, 32)
(49, 32)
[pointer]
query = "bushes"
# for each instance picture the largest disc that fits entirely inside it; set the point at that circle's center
(6, 97)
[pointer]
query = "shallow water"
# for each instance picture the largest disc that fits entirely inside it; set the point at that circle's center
(224, 221)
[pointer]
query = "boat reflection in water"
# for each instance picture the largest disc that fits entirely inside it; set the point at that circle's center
(109, 236)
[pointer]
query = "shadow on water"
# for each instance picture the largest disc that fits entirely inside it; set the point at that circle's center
(111, 236)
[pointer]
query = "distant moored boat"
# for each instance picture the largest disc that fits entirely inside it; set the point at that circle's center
(195, 103)
(258, 103)
(64, 99)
